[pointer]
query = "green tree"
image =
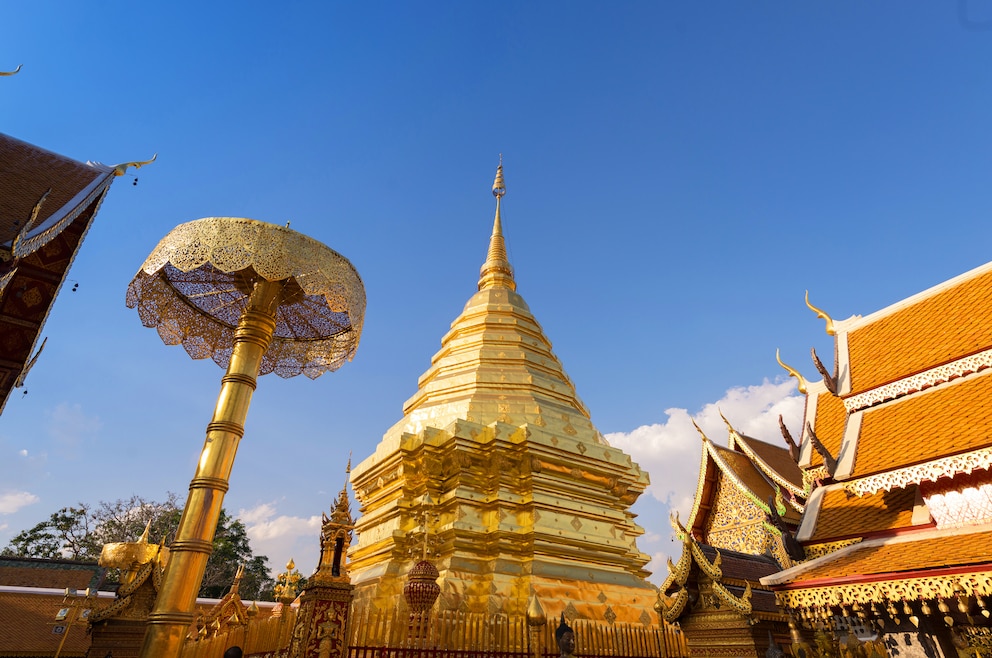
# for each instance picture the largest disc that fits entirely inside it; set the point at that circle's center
(79, 533)
(66, 534)
(231, 549)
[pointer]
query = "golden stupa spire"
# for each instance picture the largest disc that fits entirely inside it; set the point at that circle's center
(496, 271)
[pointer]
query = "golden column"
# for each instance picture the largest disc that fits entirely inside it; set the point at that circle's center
(256, 298)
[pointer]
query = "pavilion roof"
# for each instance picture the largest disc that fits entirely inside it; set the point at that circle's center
(933, 327)
(47, 203)
(839, 514)
(917, 554)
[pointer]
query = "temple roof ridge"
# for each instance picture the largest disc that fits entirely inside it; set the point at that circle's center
(742, 443)
(719, 459)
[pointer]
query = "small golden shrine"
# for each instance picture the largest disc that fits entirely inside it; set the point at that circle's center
(497, 468)
(897, 443)
(748, 502)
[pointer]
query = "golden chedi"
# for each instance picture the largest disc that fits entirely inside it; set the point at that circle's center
(497, 468)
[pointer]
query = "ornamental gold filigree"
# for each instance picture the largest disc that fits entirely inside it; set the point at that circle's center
(907, 589)
(927, 472)
(819, 550)
(736, 521)
(196, 283)
(32, 239)
(963, 367)
(742, 605)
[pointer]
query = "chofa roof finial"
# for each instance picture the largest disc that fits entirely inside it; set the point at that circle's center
(792, 373)
(823, 315)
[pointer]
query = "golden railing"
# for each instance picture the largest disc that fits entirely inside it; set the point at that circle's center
(373, 634)
(390, 634)
(271, 635)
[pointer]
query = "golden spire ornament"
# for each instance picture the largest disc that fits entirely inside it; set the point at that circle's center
(256, 298)
(496, 271)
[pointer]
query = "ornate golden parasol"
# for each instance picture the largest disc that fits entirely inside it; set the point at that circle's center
(256, 298)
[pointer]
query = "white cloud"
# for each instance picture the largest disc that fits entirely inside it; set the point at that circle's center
(23, 453)
(281, 537)
(670, 452)
(12, 501)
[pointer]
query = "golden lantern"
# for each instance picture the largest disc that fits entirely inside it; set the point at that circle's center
(256, 298)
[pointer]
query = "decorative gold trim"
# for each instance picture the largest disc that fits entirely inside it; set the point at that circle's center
(121, 169)
(732, 476)
(672, 607)
(963, 367)
(810, 476)
(25, 244)
(763, 466)
(907, 589)
(742, 605)
(700, 484)
(711, 569)
(928, 472)
(819, 550)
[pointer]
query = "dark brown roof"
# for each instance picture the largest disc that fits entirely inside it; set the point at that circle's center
(742, 566)
(26, 173)
(777, 458)
(30, 572)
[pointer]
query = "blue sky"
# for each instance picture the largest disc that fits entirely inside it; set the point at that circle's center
(678, 174)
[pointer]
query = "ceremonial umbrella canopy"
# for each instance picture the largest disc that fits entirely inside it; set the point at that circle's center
(256, 298)
(197, 283)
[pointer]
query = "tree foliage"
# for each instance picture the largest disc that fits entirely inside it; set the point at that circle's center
(79, 533)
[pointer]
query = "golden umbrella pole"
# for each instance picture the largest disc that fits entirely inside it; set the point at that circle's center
(256, 298)
(169, 621)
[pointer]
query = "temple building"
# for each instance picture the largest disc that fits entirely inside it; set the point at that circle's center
(748, 502)
(497, 474)
(47, 204)
(898, 527)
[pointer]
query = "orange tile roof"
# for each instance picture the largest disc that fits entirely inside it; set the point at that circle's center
(831, 417)
(905, 557)
(26, 623)
(946, 326)
(844, 515)
(943, 421)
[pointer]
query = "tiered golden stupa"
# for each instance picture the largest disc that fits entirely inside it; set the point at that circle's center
(497, 461)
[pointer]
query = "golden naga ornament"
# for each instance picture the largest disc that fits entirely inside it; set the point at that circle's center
(831, 331)
(256, 298)
(792, 373)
